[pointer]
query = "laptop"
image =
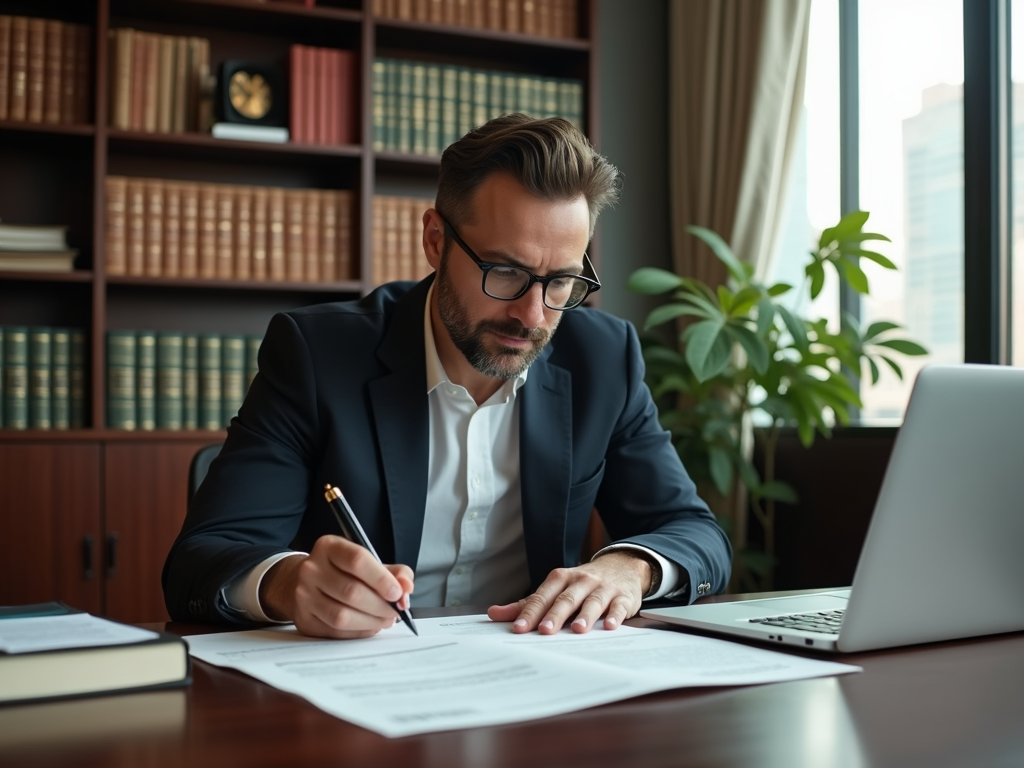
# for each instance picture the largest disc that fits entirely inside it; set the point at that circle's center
(944, 554)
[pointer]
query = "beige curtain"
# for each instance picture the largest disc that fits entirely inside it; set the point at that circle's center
(735, 91)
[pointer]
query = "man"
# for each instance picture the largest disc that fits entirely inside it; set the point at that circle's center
(471, 441)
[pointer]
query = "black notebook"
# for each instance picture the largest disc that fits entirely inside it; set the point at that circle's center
(50, 650)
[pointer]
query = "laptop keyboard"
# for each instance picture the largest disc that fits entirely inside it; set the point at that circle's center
(826, 622)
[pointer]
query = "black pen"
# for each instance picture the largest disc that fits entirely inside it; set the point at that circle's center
(354, 532)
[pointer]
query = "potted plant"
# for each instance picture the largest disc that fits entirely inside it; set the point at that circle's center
(745, 357)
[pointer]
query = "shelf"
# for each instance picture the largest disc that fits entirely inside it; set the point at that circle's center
(68, 129)
(400, 162)
(193, 145)
(342, 286)
(75, 276)
(90, 435)
(276, 17)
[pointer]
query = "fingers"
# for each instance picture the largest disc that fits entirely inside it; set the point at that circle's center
(342, 591)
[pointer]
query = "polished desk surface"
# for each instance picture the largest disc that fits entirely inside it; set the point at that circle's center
(945, 704)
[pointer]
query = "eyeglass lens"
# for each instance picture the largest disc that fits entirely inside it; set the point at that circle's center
(511, 282)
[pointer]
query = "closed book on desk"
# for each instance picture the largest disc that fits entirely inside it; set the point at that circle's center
(49, 650)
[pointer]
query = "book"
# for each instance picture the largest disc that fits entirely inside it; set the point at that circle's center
(252, 350)
(225, 265)
(24, 237)
(50, 650)
(35, 82)
(116, 238)
(37, 262)
(15, 372)
(190, 382)
(238, 132)
(18, 95)
(169, 375)
(1, 377)
(77, 379)
(40, 394)
(135, 227)
(233, 385)
(210, 382)
(5, 67)
(121, 394)
(60, 378)
(145, 379)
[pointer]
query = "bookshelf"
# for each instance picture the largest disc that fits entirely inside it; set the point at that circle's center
(123, 491)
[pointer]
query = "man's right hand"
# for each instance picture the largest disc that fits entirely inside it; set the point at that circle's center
(339, 590)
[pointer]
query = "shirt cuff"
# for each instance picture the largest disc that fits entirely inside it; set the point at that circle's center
(242, 593)
(671, 573)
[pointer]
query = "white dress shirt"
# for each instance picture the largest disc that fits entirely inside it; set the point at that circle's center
(472, 549)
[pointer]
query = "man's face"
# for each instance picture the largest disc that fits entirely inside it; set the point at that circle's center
(500, 339)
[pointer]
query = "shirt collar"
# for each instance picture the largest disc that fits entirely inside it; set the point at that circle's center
(435, 371)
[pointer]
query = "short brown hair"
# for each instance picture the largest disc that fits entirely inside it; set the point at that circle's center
(548, 156)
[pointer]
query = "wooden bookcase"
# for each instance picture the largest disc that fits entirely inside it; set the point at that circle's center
(115, 499)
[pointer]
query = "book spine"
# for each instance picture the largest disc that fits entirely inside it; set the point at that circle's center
(60, 378)
(3, 376)
(276, 234)
(154, 227)
(77, 379)
(243, 233)
(480, 91)
(449, 105)
(259, 233)
(210, 382)
(190, 381)
(15, 377)
(421, 10)
(225, 232)
(407, 207)
(391, 73)
(478, 13)
(419, 108)
(296, 109)
(495, 94)
(207, 231)
(5, 81)
(172, 230)
(36, 82)
(346, 262)
(233, 375)
(377, 241)
(324, 97)
(52, 68)
(83, 73)
(404, 124)
(189, 230)
(165, 83)
(311, 234)
(432, 107)
(170, 393)
(309, 93)
(135, 245)
(391, 235)
(379, 95)
(294, 241)
(68, 74)
(179, 101)
(18, 70)
(121, 382)
(151, 87)
(328, 245)
(115, 240)
(513, 19)
(40, 392)
(465, 119)
(137, 71)
(347, 113)
(252, 351)
(145, 383)
(493, 15)
(436, 11)
(121, 76)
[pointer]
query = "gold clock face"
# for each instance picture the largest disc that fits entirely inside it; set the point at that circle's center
(250, 94)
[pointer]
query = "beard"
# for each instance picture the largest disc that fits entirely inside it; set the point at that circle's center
(494, 359)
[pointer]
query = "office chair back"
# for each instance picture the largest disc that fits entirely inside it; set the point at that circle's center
(199, 467)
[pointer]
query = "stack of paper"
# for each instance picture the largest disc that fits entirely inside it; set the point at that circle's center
(36, 249)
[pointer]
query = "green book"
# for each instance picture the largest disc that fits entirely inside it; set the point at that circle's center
(170, 394)
(570, 101)
(391, 105)
(419, 108)
(465, 124)
(252, 350)
(404, 106)
(40, 391)
(481, 106)
(550, 97)
(145, 384)
(77, 379)
(510, 94)
(232, 375)
(210, 382)
(449, 105)
(433, 110)
(495, 94)
(379, 94)
(60, 378)
(16, 377)
(524, 95)
(190, 382)
(121, 380)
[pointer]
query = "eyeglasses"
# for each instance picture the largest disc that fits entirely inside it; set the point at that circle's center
(507, 282)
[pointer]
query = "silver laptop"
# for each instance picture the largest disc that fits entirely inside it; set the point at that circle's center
(944, 554)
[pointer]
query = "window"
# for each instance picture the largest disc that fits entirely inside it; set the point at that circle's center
(1017, 182)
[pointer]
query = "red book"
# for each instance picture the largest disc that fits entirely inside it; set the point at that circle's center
(346, 62)
(309, 93)
(295, 93)
(324, 97)
(330, 104)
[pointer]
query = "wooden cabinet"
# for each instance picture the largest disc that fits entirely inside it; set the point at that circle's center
(118, 497)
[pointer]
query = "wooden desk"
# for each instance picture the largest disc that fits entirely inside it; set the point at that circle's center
(948, 704)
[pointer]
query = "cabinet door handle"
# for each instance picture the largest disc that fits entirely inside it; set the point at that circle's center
(87, 569)
(112, 539)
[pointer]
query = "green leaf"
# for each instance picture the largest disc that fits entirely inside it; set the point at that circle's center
(755, 348)
(721, 469)
(850, 225)
(745, 299)
(701, 339)
(875, 373)
(877, 329)
(816, 272)
(722, 250)
(662, 314)
(651, 280)
(779, 288)
(725, 299)
(794, 326)
(904, 346)
(765, 316)
(854, 276)
(779, 491)
(870, 256)
(895, 367)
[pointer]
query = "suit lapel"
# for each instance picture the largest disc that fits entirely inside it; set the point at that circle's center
(545, 462)
(400, 412)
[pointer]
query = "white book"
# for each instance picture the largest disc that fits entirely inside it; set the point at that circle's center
(20, 237)
(269, 133)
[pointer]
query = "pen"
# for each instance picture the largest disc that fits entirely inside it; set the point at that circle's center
(354, 532)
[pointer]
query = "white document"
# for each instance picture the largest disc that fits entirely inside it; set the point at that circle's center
(468, 671)
(73, 630)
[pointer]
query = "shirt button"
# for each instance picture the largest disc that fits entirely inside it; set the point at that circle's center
(472, 515)
(456, 602)
(458, 571)
(452, 391)
(476, 482)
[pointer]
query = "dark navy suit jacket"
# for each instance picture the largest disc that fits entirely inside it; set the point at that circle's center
(341, 398)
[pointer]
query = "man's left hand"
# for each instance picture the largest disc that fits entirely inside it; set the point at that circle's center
(612, 586)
